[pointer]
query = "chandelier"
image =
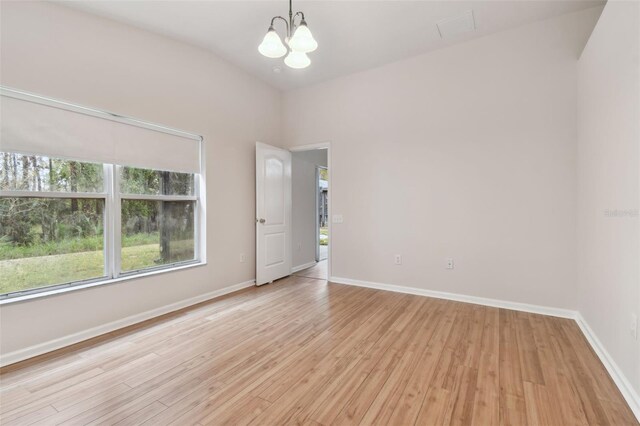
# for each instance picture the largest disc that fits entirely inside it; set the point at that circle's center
(298, 39)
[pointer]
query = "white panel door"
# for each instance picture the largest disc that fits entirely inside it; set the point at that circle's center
(273, 213)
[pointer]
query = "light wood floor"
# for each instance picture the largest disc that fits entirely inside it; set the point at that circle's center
(304, 351)
(319, 270)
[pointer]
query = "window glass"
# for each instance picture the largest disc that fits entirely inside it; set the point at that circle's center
(156, 233)
(40, 173)
(155, 182)
(53, 228)
(49, 241)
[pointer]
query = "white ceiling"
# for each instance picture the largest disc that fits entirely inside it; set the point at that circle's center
(352, 35)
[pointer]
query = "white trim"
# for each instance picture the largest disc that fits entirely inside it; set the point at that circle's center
(316, 209)
(52, 194)
(160, 197)
(316, 219)
(623, 384)
(310, 147)
(625, 387)
(116, 254)
(108, 222)
(61, 342)
(201, 205)
(200, 185)
(496, 303)
(82, 285)
(304, 266)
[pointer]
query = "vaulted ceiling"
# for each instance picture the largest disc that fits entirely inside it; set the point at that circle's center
(352, 35)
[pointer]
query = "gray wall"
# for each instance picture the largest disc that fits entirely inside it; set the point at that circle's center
(608, 187)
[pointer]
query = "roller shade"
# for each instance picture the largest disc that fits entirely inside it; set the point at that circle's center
(34, 125)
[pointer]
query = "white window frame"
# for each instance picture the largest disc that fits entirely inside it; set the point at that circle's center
(112, 230)
(119, 196)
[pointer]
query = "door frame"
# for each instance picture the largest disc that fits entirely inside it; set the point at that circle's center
(327, 146)
(317, 221)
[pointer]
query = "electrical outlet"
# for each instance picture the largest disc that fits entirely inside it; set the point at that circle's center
(449, 263)
(634, 326)
(398, 259)
(242, 258)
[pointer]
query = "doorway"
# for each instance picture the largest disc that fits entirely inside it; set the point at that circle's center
(310, 212)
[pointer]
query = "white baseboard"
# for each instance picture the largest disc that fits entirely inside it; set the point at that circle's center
(627, 390)
(304, 266)
(516, 306)
(51, 345)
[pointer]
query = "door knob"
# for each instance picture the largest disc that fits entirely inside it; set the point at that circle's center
(260, 220)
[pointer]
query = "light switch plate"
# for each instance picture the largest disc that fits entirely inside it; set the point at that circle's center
(337, 218)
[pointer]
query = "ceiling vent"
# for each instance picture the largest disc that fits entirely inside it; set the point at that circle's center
(451, 27)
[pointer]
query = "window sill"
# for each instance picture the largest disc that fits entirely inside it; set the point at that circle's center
(85, 286)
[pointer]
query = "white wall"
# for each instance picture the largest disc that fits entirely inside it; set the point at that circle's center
(304, 217)
(467, 152)
(51, 50)
(608, 179)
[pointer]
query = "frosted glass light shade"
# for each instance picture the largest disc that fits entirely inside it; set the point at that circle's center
(297, 60)
(271, 45)
(302, 40)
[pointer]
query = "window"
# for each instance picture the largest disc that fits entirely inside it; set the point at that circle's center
(64, 222)
(89, 196)
(157, 218)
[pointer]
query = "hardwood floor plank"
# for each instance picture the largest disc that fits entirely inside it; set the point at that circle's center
(586, 388)
(562, 396)
(142, 415)
(85, 405)
(304, 351)
(513, 410)
(538, 407)
(434, 408)
(528, 350)
(487, 397)
(32, 416)
(462, 397)
(511, 398)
